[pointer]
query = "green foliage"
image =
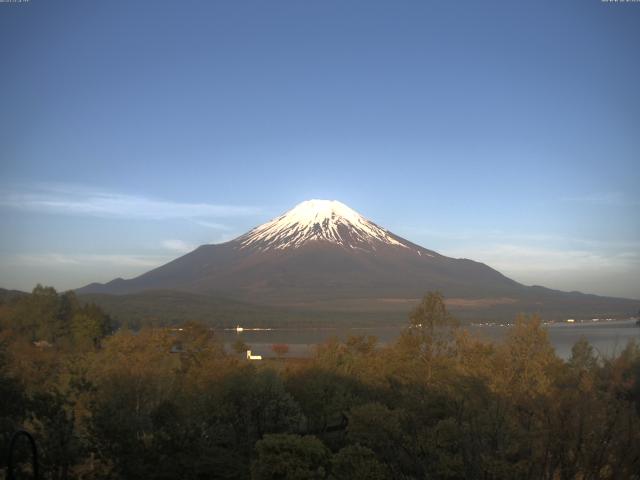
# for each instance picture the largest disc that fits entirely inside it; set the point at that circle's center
(380, 429)
(57, 319)
(583, 357)
(290, 457)
(431, 313)
(53, 422)
(355, 462)
(12, 405)
(431, 332)
(257, 403)
(324, 395)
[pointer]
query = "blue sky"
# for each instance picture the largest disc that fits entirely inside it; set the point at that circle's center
(507, 132)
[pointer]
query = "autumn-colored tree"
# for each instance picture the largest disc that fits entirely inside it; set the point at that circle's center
(89, 325)
(438, 403)
(280, 349)
(431, 331)
(527, 359)
(362, 344)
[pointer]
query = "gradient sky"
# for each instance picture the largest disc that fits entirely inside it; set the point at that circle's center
(506, 132)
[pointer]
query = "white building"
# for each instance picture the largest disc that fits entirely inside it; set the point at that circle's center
(253, 357)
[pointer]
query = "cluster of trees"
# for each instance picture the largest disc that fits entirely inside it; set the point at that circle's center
(438, 403)
(54, 319)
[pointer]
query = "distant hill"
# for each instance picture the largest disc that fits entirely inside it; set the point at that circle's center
(164, 308)
(10, 295)
(322, 258)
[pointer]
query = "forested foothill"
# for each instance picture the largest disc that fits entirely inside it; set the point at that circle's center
(161, 403)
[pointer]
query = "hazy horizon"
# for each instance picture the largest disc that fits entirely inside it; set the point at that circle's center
(133, 266)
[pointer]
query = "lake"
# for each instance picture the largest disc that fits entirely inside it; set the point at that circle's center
(607, 337)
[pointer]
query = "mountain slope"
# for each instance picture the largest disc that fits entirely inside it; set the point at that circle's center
(324, 253)
(318, 250)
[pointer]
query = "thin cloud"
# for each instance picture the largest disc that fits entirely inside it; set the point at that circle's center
(69, 270)
(493, 237)
(480, 234)
(512, 258)
(64, 259)
(82, 201)
(179, 246)
(602, 273)
(213, 225)
(614, 199)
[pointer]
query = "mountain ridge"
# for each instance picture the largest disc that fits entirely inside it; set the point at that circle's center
(323, 251)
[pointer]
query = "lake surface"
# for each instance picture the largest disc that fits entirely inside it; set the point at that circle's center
(607, 337)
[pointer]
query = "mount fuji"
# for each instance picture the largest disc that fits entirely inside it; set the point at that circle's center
(323, 255)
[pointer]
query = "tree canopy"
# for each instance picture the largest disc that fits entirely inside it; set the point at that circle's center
(165, 403)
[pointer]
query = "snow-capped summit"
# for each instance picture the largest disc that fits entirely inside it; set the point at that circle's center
(319, 221)
(322, 256)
